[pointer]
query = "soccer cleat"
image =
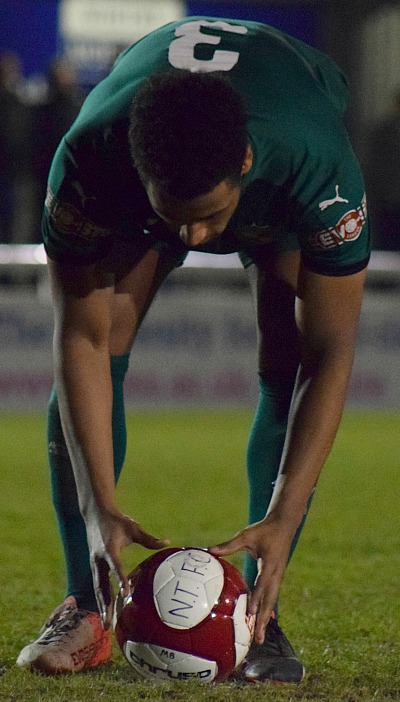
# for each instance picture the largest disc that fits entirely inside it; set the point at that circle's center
(274, 660)
(71, 640)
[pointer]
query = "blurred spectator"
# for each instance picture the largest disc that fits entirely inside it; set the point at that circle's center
(14, 140)
(383, 179)
(53, 117)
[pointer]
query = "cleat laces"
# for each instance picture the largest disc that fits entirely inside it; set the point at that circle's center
(60, 624)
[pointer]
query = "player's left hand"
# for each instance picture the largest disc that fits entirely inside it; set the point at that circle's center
(269, 543)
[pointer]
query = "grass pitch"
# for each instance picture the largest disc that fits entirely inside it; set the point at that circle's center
(185, 480)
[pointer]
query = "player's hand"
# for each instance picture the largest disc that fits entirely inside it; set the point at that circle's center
(269, 543)
(106, 538)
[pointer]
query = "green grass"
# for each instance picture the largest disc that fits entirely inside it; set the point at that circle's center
(185, 480)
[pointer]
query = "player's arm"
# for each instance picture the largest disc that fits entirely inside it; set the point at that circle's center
(327, 314)
(83, 298)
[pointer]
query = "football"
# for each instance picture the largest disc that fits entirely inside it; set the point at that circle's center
(185, 617)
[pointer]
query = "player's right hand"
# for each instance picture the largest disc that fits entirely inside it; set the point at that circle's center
(106, 537)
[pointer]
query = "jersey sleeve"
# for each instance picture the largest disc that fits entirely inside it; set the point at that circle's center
(94, 195)
(73, 224)
(333, 227)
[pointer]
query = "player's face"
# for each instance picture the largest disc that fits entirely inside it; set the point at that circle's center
(199, 220)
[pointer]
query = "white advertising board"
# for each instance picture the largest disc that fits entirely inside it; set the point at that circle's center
(196, 348)
(121, 21)
(93, 32)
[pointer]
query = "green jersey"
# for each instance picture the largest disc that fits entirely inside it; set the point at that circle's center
(304, 188)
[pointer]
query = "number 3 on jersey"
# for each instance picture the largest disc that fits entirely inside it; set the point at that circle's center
(181, 50)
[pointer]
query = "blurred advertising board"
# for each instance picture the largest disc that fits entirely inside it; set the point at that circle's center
(94, 32)
(196, 348)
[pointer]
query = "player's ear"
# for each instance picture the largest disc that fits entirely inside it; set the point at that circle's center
(248, 160)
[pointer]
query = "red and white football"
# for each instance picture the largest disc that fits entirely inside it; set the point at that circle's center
(185, 617)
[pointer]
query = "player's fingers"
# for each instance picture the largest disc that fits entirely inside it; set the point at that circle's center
(263, 617)
(100, 604)
(119, 575)
(108, 615)
(262, 602)
(227, 547)
(151, 542)
(102, 589)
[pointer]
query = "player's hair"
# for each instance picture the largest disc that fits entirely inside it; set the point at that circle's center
(188, 132)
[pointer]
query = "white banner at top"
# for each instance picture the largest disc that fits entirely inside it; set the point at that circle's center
(122, 21)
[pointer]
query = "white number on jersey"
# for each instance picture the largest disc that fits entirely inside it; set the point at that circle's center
(181, 50)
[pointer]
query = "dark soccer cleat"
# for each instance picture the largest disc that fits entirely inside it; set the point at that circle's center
(274, 660)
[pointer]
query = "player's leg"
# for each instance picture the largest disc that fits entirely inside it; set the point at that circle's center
(73, 638)
(274, 288)
(64, 496)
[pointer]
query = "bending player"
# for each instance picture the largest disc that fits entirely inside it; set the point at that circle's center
(217, 136)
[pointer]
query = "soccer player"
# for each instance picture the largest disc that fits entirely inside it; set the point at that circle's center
(213, 135)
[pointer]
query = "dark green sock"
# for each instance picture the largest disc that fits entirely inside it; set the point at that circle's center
(64, 494)
(264, 453)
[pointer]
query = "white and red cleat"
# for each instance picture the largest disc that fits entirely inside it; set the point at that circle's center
(71, 640)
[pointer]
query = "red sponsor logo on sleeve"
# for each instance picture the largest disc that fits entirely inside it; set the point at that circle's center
(67, 220)
(348, 228)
